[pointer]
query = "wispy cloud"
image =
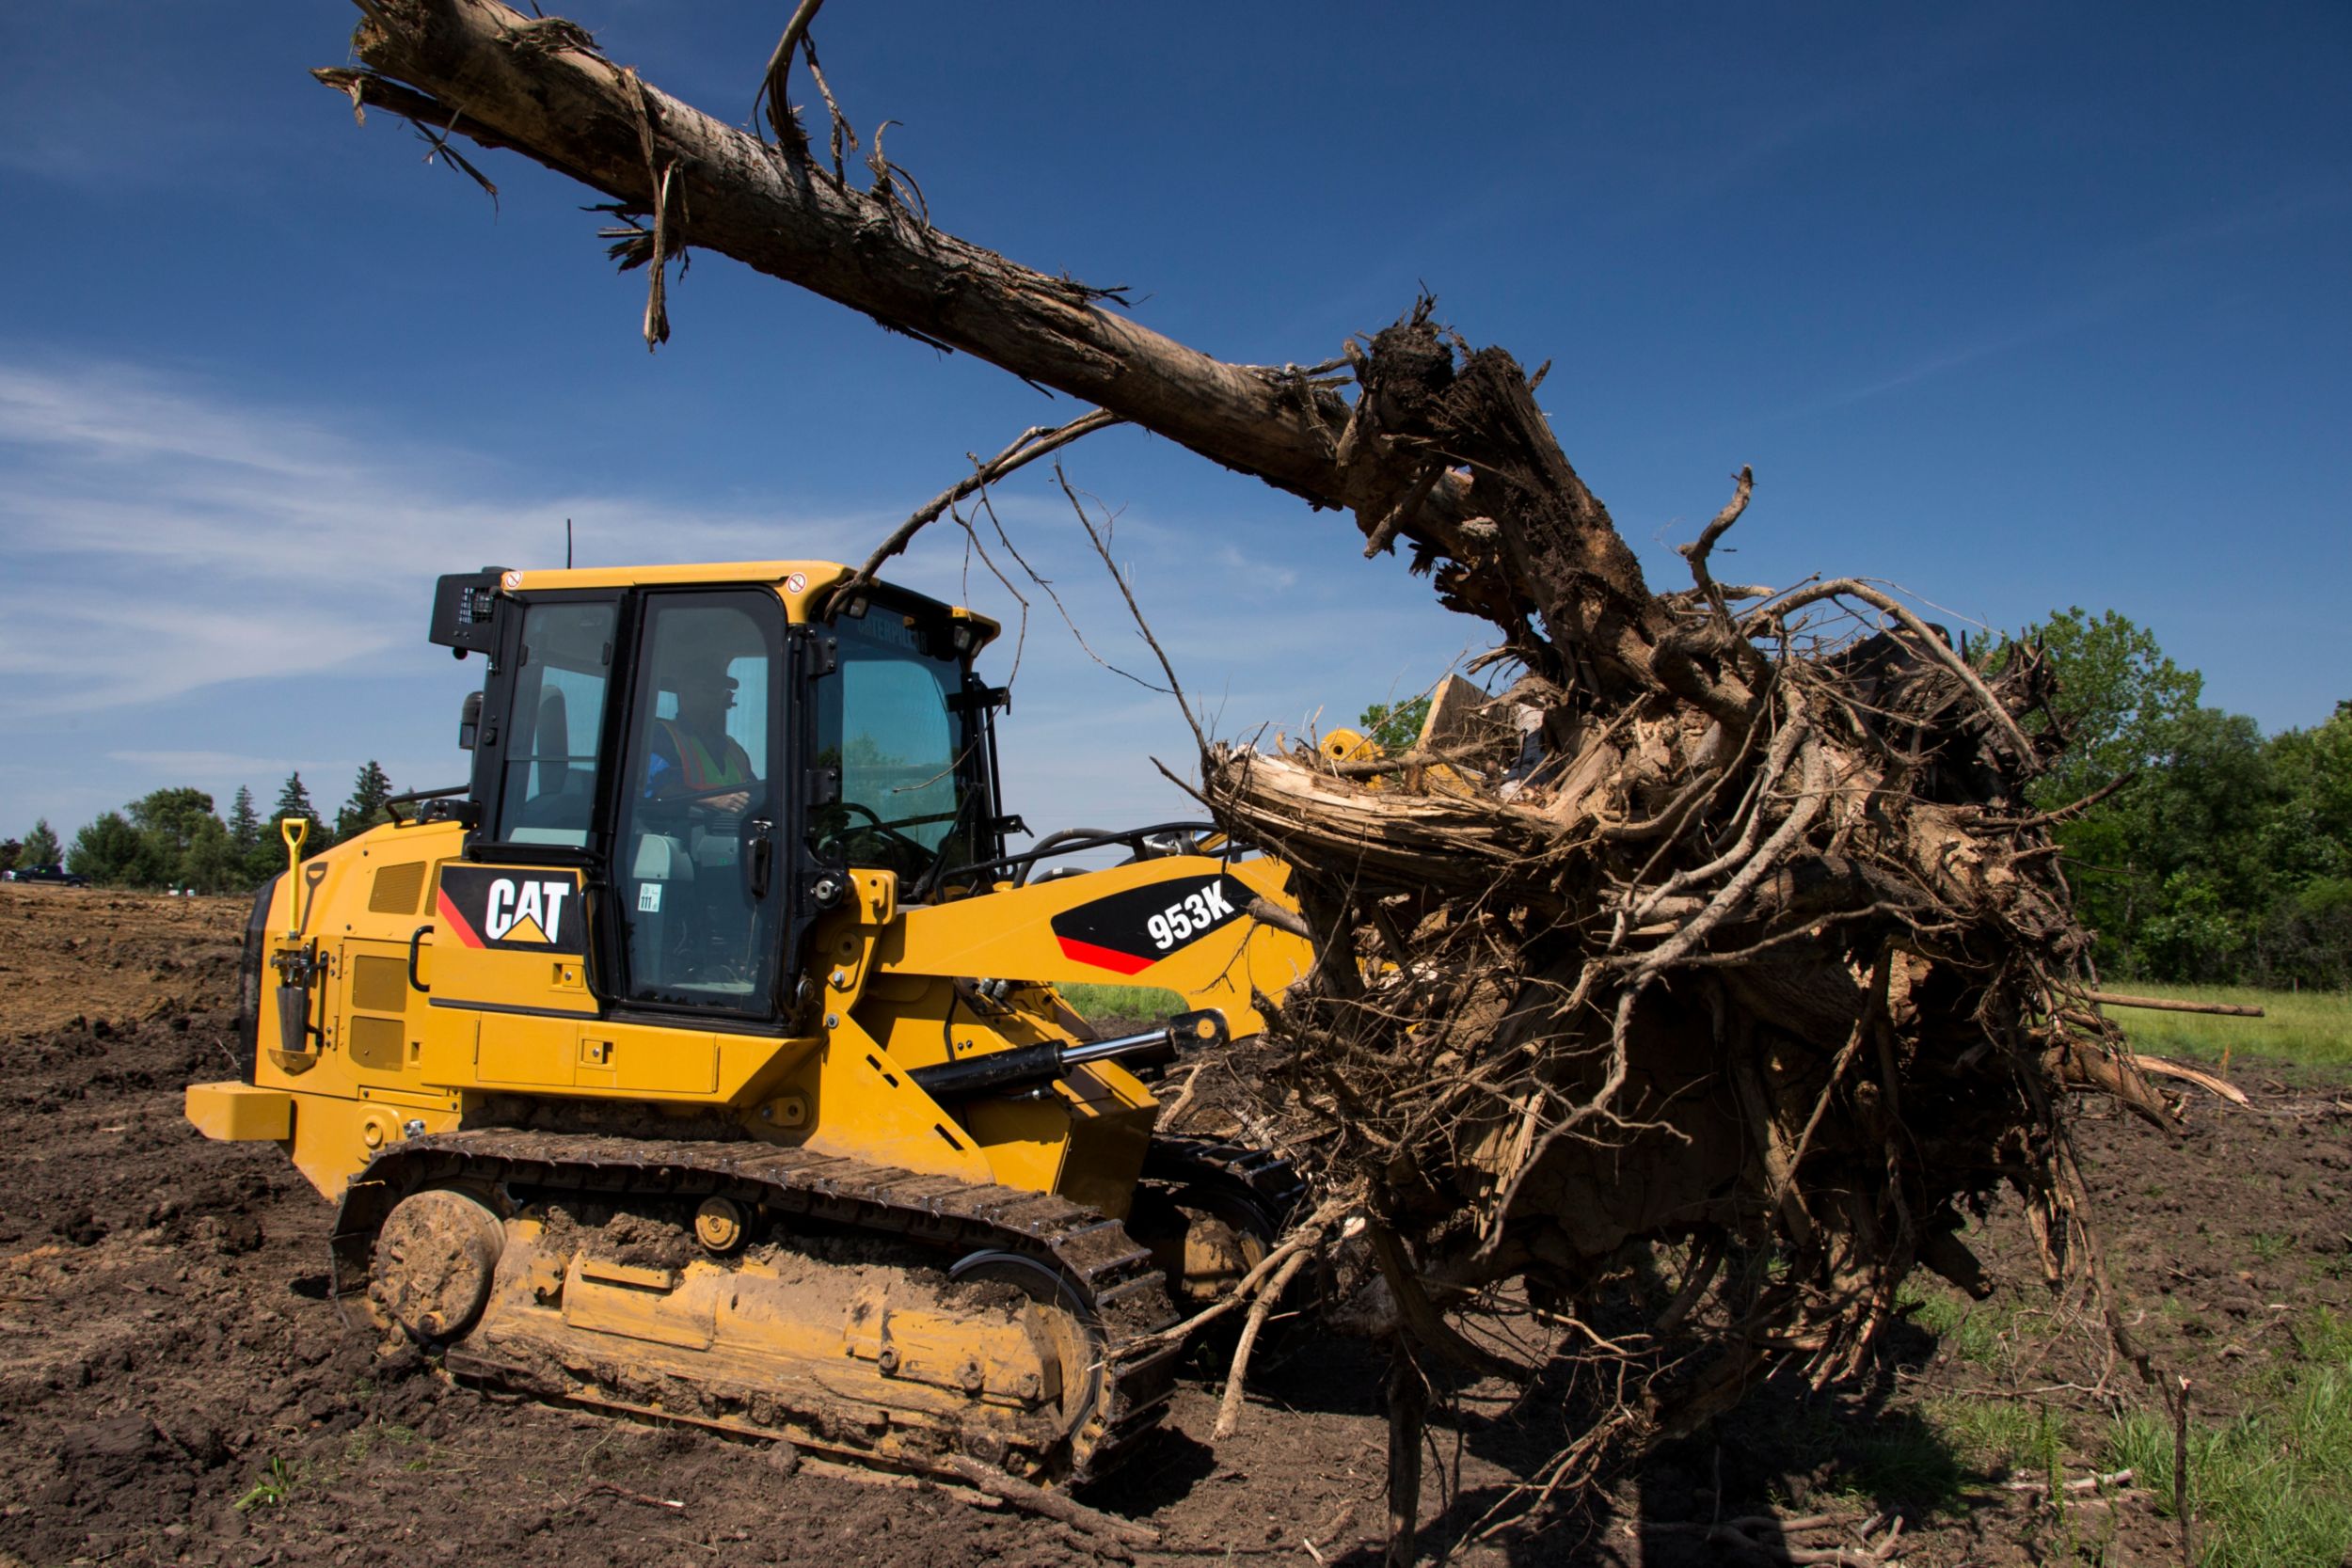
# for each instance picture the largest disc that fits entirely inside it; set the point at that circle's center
(162, 537)
(176, 559)
(1945, 360)
(2129, 274)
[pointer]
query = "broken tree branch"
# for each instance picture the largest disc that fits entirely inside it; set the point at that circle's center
(1032, 444)
(2167, 1003)
(772, 81)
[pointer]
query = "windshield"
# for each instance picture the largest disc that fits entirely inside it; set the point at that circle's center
(907, 799)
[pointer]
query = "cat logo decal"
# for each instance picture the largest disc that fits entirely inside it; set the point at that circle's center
(497, 907)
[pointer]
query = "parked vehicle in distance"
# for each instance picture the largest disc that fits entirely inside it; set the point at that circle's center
(47, 874)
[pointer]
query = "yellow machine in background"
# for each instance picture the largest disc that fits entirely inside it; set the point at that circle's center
(701, 1058)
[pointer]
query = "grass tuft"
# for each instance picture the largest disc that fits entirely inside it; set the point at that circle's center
(2273, 1487)
(270, 1490)
(2001, 1436)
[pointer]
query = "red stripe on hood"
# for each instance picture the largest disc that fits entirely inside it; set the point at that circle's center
(458, 922)
(1104, 957)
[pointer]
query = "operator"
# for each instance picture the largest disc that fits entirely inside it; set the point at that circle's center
(693, 754)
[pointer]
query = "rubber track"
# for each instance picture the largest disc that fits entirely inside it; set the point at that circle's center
(1114, 1275)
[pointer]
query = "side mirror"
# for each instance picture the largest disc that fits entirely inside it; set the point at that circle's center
(469, 721)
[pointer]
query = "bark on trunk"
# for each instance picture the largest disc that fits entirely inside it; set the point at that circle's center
(482, 70)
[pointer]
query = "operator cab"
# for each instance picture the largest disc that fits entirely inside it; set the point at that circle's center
(704, 755)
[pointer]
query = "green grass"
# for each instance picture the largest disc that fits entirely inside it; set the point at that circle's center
(2313, 1027)
(1986, 1334)
(2274, 1487)
(1995, 1436)
(271, 1489)
(1145, 1002)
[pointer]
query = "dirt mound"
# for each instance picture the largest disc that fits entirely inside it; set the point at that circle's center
(70, 954)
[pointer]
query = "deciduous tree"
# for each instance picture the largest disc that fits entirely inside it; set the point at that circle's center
(111, 850)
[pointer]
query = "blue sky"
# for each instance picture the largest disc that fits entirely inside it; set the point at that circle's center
(2016, 307)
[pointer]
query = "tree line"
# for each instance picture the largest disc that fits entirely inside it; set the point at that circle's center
(173, 838)
(2209, 853)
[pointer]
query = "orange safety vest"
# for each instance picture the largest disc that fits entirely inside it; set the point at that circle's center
(695, 762)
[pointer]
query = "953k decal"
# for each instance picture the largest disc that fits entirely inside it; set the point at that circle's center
(1128, 932)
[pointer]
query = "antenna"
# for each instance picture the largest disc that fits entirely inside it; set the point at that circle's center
(568, 544)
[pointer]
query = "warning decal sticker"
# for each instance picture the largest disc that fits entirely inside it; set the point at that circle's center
(1128, 932)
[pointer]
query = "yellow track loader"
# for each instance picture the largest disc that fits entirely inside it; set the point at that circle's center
(701, 1060)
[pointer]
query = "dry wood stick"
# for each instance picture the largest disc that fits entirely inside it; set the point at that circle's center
(1780, 1167)
(1697, 553)
(1051, 1505)
(1848, 587)
(648, 1499)
(780, 66)
(2158, 1066)
(2167, 1005)
(1185, 1099)
(2066, 813)
(2087, 1483)
(1306, 1235)
(565, 109)
(2180, 1471)
(1409, 1412)
(1228, 1408)
(1735, 1533)
(1031, 444)
(1882, 974)
(1102, 548)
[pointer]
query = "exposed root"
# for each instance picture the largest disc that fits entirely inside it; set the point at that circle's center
(1703, 981)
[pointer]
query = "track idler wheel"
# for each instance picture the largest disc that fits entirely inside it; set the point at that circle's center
(436, 1259)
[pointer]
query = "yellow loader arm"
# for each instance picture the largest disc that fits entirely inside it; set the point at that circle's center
(1180, 922)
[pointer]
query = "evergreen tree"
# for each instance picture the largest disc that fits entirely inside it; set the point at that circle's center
(294, 799)
(365, 809)
(244, 823)
(40, 847)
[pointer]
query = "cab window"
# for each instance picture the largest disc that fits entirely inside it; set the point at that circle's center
(883, 724)
(550, 785)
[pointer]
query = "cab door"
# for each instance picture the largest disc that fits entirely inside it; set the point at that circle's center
(510, 922)
(697, 879)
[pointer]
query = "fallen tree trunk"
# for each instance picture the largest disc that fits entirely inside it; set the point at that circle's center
(537, 85)
(1703, 982)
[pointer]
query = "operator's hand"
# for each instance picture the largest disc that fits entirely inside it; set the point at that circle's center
(732, 803)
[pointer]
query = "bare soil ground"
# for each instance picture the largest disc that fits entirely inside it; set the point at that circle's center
(175, 1387)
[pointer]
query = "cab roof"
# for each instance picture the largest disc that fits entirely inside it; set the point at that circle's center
(801, 584)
